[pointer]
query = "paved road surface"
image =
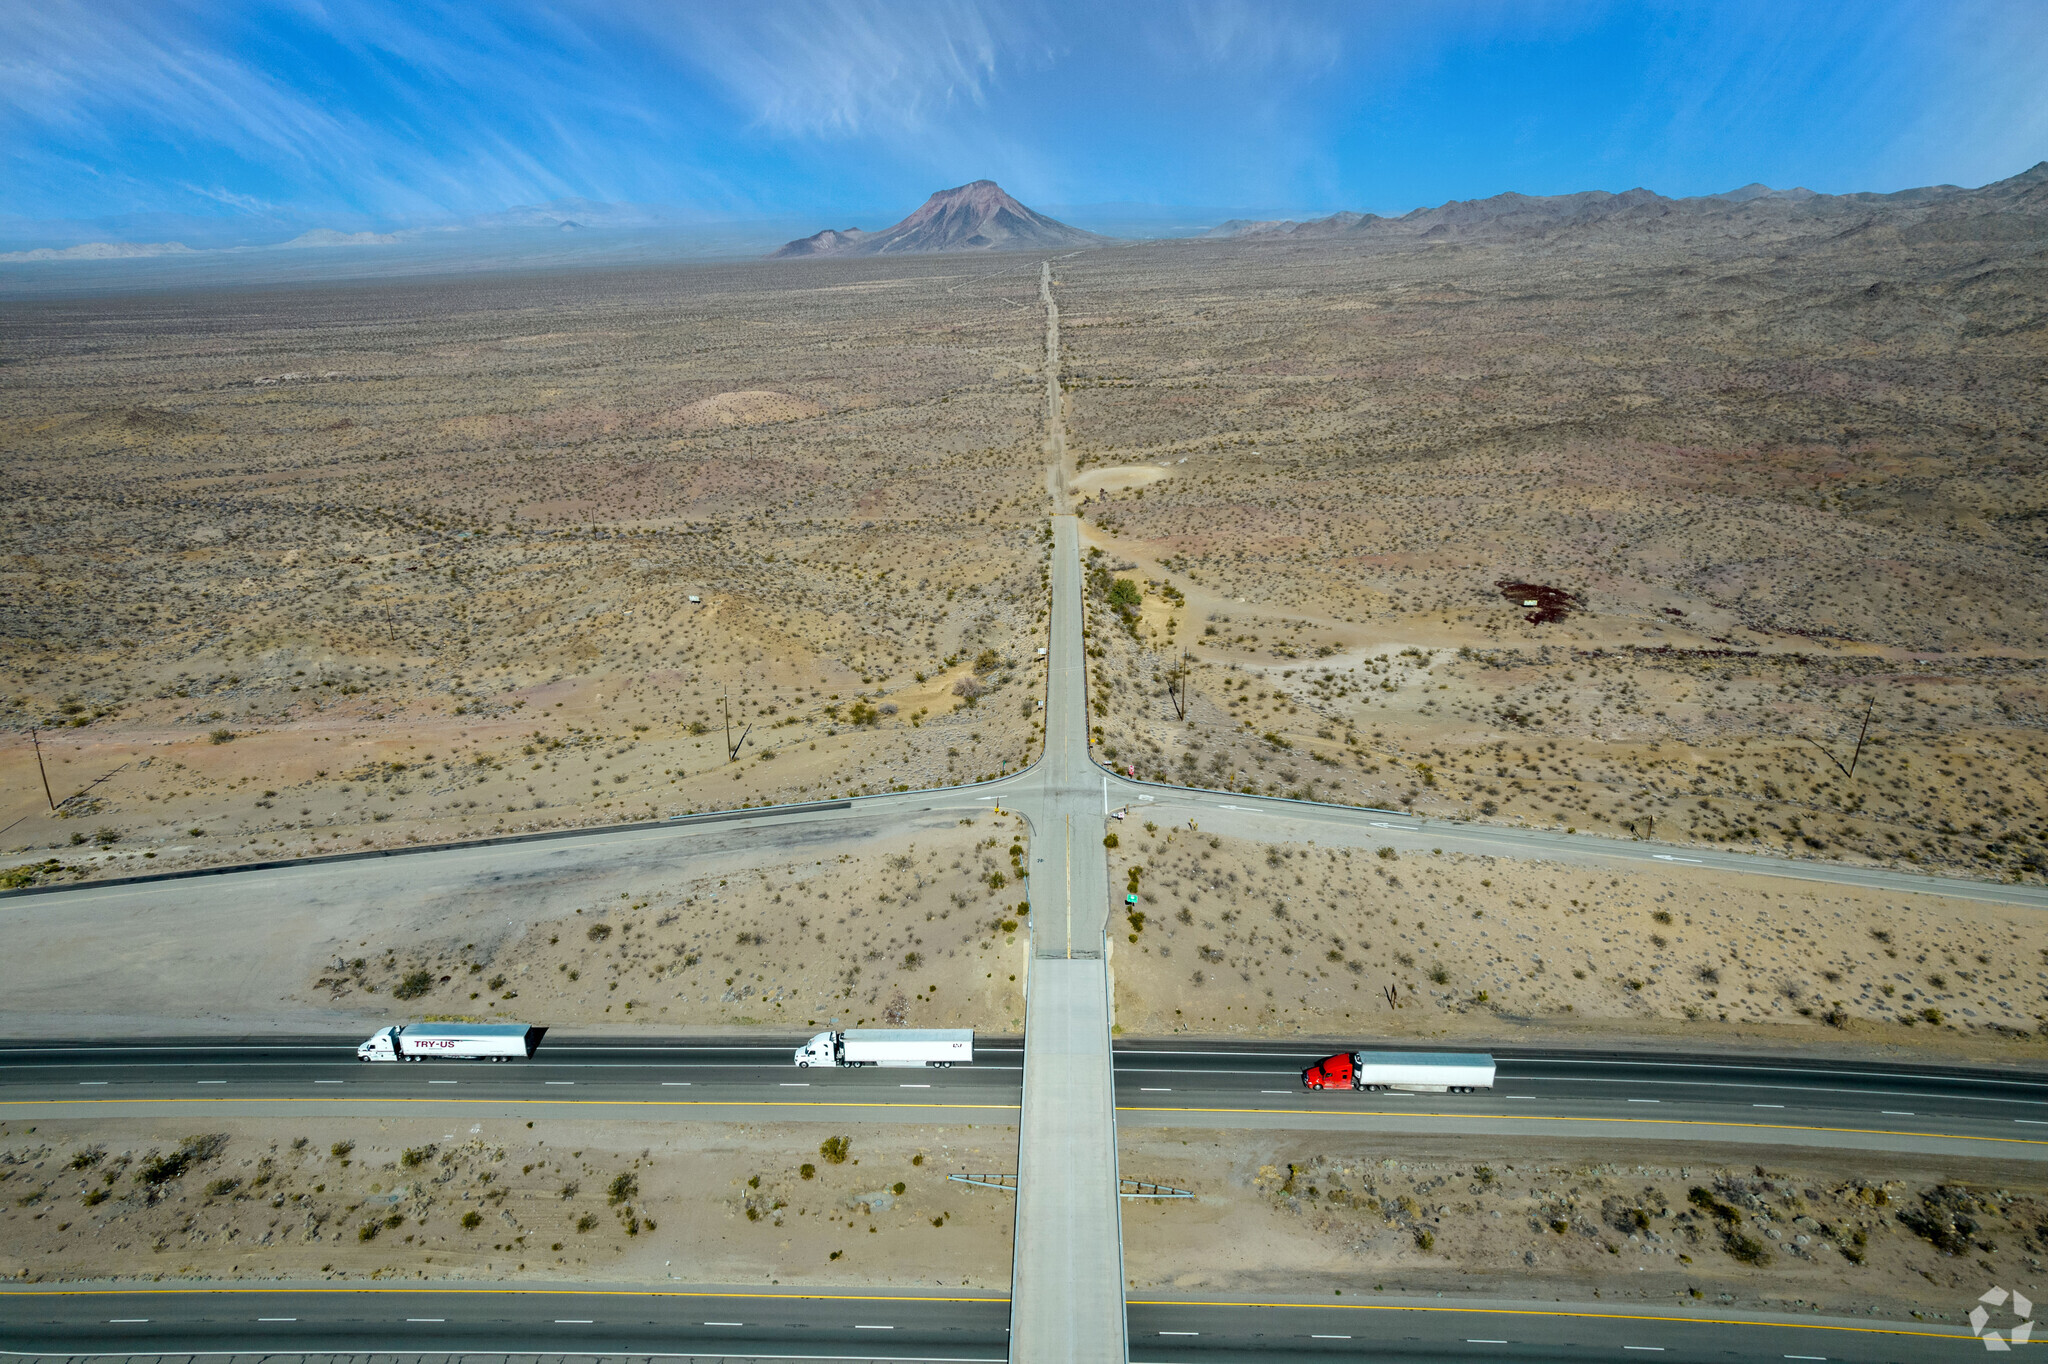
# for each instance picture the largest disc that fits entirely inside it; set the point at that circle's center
(1067, 1268)
(1727, 1101)
(891, 1324)
(1275, 820)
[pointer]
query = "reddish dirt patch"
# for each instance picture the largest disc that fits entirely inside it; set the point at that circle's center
(1551, 603)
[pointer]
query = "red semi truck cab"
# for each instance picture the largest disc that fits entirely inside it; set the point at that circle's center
(1332, 1072)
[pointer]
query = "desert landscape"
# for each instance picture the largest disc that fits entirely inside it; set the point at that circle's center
(1628, 520)
(498, 1200)
(502, 1201)
(1580, 1222)
(1233, 937)
(325, 569)
(911, 920)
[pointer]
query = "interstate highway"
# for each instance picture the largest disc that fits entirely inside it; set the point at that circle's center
(904, 1324)
(1641, 1095)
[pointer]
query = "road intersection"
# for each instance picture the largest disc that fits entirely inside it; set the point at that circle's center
(1067, 1300)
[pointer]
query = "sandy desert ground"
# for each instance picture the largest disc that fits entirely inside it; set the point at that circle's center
(1315, 1216)
(917, 922)
(293, 570)
(651, 1202)
(641, 1202)
(1612, 531)
(1233, 937)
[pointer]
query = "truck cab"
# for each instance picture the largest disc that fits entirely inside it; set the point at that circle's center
(382, 1047)
(821, 1050)
(1332, 1072)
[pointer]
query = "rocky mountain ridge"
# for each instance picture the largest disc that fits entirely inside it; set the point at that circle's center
(973, 217)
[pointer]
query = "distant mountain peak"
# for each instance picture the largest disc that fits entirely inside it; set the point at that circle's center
(977, 216)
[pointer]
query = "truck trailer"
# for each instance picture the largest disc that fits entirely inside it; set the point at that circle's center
(889, 1047)
(452, 1042)
(1415, 1072)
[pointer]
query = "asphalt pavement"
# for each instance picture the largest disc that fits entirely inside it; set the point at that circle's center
(1636, 1095)
(903, 1324)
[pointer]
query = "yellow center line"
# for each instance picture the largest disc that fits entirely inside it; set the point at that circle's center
(562, 1103)
(1556, 1312)
(1554, 1117)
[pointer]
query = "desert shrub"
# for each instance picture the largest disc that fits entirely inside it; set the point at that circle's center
(1387, 855)
(92, 1198)
(623, 1186)
(1109, 839)
(987, 661)
(1745, 1247)
(1425, 1240)
(835, 1150)
(472, 1219)
(587, 1222)
(415, 984)
(1440, 973)
(599, 932)
(89, 1157)
(970, 688)
(340, 1149)
(222, 1187)
(897, 1188)
(807, 1170)
(367, 1231)
(194, 1150)
(1662, 916)
(912, 960)
(106, 836)
(416, 1156)
(1943, 1219)
(221, 736)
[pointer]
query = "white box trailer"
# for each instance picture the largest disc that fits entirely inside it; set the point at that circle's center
(1418, 1072)
(452, 1042)
(889, 1047)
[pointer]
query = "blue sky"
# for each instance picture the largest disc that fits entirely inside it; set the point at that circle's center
(352, 114)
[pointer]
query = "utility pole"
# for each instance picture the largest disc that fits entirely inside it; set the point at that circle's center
(732, 750)
(32, 738)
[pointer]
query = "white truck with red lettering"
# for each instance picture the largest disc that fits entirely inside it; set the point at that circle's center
(452, 1042)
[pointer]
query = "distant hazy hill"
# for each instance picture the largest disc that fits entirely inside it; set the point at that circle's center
(2005, 209)
(976, 217)
(101, 251)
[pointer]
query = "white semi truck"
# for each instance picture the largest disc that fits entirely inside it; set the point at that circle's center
(889, 1047)
(452, 1042)
(1416, 1072)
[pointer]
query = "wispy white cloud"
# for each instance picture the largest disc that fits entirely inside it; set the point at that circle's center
(1246, 40)
(833, 70)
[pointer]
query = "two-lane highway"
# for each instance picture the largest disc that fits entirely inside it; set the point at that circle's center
(325, 1318)
(683, 1080)
(1646, 1096)
(903, 1324)
(1719, 1098)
